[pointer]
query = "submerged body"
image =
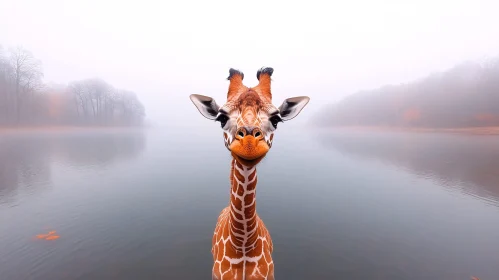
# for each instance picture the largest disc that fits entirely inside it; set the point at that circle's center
(241, 245)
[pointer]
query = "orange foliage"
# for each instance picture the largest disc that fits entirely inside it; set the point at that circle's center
(412, 114)
(487, 118)
(55, 105)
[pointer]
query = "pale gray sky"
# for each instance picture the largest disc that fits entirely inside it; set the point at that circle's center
(166, 50)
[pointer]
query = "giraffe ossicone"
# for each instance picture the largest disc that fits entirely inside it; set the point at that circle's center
(241, 245)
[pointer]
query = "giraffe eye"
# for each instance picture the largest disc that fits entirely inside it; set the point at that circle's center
(274, 120)
(222, 119)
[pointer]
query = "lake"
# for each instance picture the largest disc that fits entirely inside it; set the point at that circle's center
(134, 204)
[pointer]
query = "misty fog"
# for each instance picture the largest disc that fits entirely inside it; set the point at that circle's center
(165, 51)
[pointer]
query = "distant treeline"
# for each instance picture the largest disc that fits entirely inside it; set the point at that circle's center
(466, 95)
(26, 100)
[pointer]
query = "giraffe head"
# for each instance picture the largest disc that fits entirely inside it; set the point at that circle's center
(248, 118)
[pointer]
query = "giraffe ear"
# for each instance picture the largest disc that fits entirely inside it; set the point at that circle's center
(291, 107)
(206, 105)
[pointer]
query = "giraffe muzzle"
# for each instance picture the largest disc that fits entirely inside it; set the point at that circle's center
(249, 143)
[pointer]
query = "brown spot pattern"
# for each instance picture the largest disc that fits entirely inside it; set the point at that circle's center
(241, 244)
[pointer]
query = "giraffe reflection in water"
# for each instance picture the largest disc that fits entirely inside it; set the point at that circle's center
(241, 244)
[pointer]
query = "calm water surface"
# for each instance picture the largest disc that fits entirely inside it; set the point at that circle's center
(339, 205)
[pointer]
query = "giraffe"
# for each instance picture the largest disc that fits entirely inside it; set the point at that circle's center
(241, 245)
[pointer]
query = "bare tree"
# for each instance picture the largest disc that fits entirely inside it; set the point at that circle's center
(78, 91)
(106, 103)
(5, 75)
(99, 92)
(27, 75)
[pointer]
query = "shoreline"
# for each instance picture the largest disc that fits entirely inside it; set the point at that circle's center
(489, 130)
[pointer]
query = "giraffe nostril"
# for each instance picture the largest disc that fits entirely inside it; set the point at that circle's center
(240, 133)
(257, 134)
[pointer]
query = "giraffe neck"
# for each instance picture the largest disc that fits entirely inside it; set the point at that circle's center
(243, 218)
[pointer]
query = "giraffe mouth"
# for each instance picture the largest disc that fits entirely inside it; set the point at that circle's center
(249, 148)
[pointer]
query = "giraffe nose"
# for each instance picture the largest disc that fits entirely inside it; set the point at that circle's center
(249, 131)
